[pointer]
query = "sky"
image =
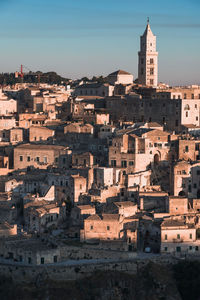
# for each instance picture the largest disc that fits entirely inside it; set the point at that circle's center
(96, 37)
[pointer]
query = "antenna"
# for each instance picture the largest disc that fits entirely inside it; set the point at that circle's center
(148, 20)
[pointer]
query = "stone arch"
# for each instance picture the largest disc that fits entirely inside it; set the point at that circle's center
(156, 159)
(181, 194)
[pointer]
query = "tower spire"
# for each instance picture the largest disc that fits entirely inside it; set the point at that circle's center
(147, 20)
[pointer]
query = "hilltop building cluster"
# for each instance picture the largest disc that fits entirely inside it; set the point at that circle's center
(111, 165)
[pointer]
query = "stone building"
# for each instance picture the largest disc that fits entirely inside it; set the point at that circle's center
(120, 77)
(41, 156)
(40, 134)
(148, 59)
(94, 89)
(185, 179)
(178, 205)
(17, 135)
(178, 237)
(102, 227)
(133, 150)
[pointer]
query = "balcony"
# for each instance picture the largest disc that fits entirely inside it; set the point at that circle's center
(177, 240)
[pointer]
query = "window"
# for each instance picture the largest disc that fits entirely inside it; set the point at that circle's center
(142, 61)
(55, 259)
(131, 163)
(108, 227)
(28, 158)
(190, 247)
(185, 96)
(45, 159)
(21, 158)
(165, 236)
(198, 172)
(42, 260)
(186, 149)
(124, 163)
(165, 249)
(142, 71)
(64, 160)
(37, 159)
(196, 248)
(195, 106)
(151, 61)
(29, 260)
(151, 81)
(178, 236)
(197, 118)
(186, 114)
(195, 185)
(191, 236)
(151, 71)
(192, 96)
(176, 123)
(113, 163)
(80, 186)
(178, 249)
(91, 227)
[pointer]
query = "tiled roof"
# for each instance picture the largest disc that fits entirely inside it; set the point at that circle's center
(119, 72)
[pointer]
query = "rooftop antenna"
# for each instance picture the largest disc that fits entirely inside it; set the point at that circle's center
(148, 20)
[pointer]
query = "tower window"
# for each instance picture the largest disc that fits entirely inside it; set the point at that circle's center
(151, 81)
(142, 61)
(151, 71)
(151, 60)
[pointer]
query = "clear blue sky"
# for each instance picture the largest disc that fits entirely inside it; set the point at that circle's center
(93, 37)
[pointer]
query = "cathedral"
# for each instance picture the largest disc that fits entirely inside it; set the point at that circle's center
(148, 59)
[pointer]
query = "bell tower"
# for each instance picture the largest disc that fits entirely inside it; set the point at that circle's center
(148, 59)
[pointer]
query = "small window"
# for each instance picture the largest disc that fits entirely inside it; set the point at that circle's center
(91, 227)
(108, 227)
(186, 149)
(21, 158)
(29, 260)
(28, 158)
(178, 236)
(151, 71)
(42, 260)
(191, 236)
(165, 236)
(151, 81)
(165, 249)
(37, 159)
(55, 259)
